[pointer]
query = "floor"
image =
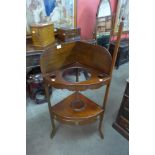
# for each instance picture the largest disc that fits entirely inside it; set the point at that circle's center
(78, 140)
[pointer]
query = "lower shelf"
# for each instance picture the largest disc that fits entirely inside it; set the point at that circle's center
(64, 113)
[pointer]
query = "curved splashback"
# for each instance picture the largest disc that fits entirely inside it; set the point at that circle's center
(84, 53)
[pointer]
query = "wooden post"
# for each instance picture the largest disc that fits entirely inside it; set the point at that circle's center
(114, 60)
(112, 67)
(117, 46)
(49, 107)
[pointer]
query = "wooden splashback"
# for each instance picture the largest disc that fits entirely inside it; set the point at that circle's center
(54, 59)
(93, 56)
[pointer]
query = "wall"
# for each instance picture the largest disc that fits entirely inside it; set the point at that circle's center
(86, 15)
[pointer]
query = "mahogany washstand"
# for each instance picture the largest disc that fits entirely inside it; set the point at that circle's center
(63, 66)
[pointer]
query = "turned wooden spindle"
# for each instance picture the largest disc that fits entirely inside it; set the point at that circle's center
(114, 59)
(112, 67)
(117, 45)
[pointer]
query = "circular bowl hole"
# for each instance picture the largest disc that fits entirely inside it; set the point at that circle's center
(53, 76)
(76, 74)
(100, 76)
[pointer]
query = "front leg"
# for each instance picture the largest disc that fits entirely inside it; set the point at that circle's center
(49, 107)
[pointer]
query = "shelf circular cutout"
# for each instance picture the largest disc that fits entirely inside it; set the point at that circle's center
(76, 74)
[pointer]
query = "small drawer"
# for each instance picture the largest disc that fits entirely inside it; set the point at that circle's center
(124, 123)
(68, 34)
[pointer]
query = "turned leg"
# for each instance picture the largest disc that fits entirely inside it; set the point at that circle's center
(106, 96)
(102, 115)
(51, 115)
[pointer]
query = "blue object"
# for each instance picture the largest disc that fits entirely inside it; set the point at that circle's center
(49, 6)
